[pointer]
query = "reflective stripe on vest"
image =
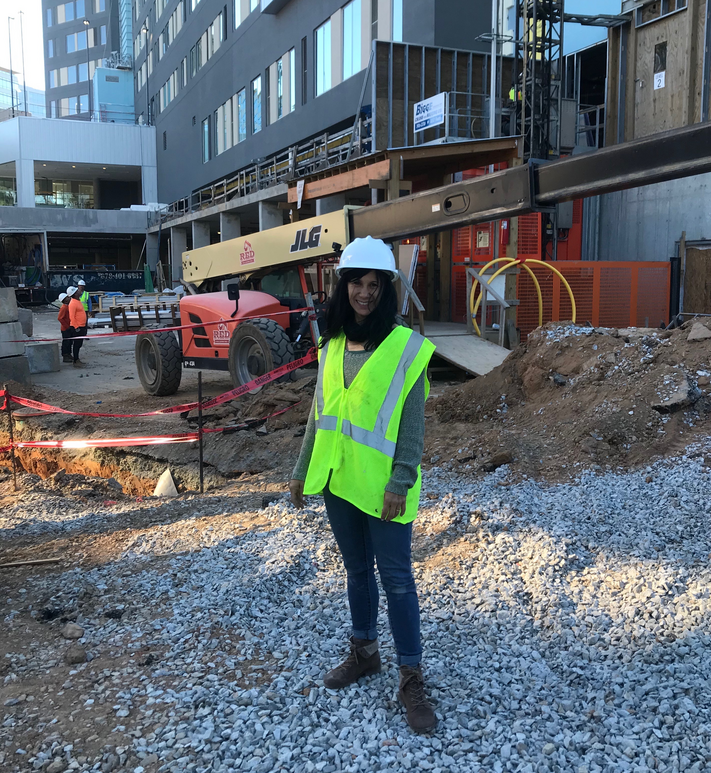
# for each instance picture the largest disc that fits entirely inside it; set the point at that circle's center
(374, 438)
(323, 422)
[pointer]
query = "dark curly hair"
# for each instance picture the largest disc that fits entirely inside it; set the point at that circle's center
(340, 316)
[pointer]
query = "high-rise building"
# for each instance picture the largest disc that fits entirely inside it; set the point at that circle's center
(12, 96)
(78, 35)
(229, 83)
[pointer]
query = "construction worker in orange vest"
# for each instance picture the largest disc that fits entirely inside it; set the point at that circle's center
(77, 324)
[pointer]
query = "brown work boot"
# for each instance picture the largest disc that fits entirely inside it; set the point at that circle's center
(420, 714)
(78, 364)
(364, 660)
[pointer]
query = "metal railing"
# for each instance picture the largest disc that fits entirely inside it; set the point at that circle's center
(321, 152)
(590, 131)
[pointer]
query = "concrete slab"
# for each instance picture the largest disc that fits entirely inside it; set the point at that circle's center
(8, 305)
(9, 332)
(15, 369)
(25, 318)
(43, 357)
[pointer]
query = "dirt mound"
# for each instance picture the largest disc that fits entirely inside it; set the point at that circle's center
(573, 396)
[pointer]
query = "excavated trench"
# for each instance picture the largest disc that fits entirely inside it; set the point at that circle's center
(138, 469)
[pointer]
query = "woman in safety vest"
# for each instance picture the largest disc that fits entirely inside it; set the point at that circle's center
(362, 451)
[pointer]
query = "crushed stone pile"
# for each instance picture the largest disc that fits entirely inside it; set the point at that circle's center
(574, 396)
(566, 628)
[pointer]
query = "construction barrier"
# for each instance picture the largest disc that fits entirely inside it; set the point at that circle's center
(607, 294)
(45, 409)
(184, 437)
(141, 331)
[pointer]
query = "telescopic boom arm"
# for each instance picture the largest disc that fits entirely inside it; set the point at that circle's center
(537, 186)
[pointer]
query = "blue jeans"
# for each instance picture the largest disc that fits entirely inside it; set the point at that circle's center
(364, 540)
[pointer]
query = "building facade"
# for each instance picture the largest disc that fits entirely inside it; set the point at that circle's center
(78, 36)
(12, 96)
(227, 84)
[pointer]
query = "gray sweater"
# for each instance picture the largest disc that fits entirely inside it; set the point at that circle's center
(410, 439)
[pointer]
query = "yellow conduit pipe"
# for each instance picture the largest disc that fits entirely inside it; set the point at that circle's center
(510, 261)
(563, 280)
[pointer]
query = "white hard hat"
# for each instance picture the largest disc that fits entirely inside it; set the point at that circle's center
(61, 297)
(71, 290)
(369, 253)
(81, 282)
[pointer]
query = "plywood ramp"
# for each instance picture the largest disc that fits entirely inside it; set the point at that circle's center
(465, 350)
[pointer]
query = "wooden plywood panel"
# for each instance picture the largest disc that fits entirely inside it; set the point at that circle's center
(382, 56)
(414, 82)
(398, 96)
(697, 281)
(661, 109)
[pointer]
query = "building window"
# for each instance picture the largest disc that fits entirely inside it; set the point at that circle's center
(50, 49)
(71, 74)
(84, 103)
(322, 40)
(257, 104)
(206, 140)
(223, 127)
(76, 42)
(103, 34)
(49, 18)
(397, 20)
(373, 19)
(165, 141)
(215, 35)
(184, 73)
(239, 116)
(80, 9)
(351, 38)
(99, 6)
(83, 71)
(53, 79)
(65, 12)
(304, 72)
(292, 80)
(280, 89)
(53, 109)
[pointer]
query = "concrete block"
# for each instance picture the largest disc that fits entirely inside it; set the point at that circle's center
(43, 357)
(8, 304)
(15, 369)
(9, 332)
(26, 320)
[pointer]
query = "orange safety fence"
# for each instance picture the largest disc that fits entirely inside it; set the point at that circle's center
(607, 294)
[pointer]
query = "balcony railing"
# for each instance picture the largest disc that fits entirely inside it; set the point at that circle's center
(321, 152)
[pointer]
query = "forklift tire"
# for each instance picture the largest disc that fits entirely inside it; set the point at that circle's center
(159, 362)
(256, 347)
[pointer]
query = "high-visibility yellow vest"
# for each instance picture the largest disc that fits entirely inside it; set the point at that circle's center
(357, 428)
(84, 298)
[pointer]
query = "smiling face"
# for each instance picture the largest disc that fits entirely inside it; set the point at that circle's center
(364, 294)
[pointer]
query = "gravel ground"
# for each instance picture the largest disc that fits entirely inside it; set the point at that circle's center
(566, 628)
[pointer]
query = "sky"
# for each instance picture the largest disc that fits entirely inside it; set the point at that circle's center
(32, 29)
(575, 36)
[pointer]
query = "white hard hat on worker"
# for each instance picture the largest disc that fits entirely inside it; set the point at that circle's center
(71, 290)
(368, 253)
(61, 297)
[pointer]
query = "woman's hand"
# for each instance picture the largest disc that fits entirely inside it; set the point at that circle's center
(296, 489)
(393, 505)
